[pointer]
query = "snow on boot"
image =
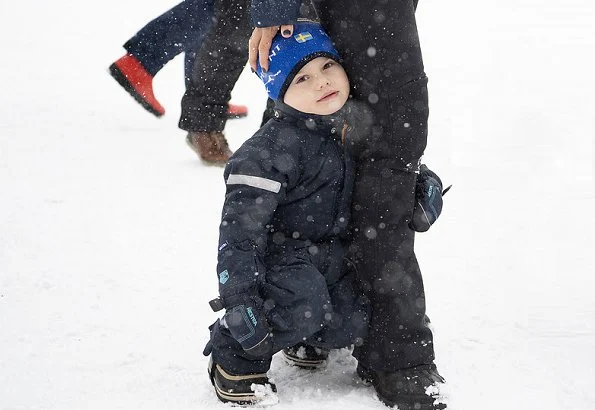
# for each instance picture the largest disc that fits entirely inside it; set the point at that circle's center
(236, 111)
(307, 357)
(248, 389)
(364, 374)
(415, 388)
(211, 147)
(133, 77)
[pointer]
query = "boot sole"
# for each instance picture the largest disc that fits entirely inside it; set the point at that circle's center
(235, 116)
(123, 81)
(303, 363)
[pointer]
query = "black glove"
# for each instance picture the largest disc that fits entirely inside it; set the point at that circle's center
(247, 324)
(428, 200)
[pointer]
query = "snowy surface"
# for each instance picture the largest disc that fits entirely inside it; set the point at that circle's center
(108, 222)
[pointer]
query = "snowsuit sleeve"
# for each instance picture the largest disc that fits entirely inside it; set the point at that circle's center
(267, 13)
(257, 178)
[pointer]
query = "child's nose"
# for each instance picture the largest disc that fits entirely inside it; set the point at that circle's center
(323, 81)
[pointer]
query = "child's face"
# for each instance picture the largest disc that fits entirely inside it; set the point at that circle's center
(321, 87)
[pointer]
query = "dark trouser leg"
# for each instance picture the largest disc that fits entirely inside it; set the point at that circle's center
(379, 43)
(175, 31)
(388, 271)
(189, 60)
(217, 67)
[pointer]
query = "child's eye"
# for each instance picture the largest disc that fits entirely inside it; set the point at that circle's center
(301, 79)
(329, 64)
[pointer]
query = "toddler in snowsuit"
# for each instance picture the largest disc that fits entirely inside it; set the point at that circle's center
(283, 278)
(281, 272)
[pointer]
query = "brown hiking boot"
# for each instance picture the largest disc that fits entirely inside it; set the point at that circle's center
(210, 146)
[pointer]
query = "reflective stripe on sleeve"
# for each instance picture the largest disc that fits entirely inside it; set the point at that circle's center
(256, 182)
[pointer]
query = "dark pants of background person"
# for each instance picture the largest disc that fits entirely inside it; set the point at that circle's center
(179, 30)
(217, 67)
(379, 43)
(310, 298)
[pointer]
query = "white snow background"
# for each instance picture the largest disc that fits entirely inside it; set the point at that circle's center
(108, 222)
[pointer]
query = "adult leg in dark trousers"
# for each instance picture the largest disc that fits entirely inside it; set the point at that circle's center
(379, 43)
(217, 67)
(180, 29)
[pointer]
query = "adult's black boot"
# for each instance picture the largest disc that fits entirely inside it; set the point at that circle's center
(415, 388)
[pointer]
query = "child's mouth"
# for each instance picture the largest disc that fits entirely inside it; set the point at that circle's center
(328, 96)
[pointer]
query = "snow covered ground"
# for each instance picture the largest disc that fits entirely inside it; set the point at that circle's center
(108, 222)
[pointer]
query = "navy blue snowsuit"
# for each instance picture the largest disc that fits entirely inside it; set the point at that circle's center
(286, 210)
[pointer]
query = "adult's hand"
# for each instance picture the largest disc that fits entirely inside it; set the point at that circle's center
(260, 42)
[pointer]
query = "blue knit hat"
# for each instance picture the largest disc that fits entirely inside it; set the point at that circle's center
(288, 55)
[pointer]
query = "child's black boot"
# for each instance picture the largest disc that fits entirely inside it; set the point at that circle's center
(305, 356)
(247, 389)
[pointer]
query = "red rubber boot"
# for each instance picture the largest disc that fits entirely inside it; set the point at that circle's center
(236, 111)
(133, 77)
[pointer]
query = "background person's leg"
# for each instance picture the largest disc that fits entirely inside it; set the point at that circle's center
(177, 30)
(218, 66)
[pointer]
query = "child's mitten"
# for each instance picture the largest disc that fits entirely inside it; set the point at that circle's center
(428, 200)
